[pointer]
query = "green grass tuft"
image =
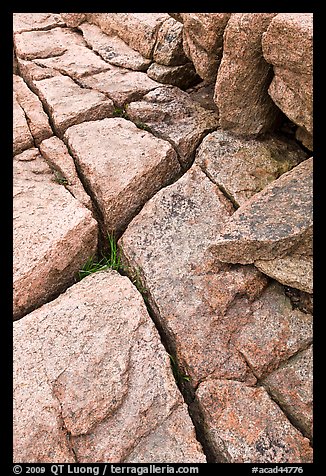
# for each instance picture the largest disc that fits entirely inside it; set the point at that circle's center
(110, 260)
(179, 376)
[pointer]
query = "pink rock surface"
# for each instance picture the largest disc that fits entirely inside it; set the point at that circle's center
(102, 386)
(53, 234)
(44, 44)
(273, 333)
(35, 21)
(165, 247)
(291, 386)
(57, 155)
(203, 40)
(181, 76)
(22, 137)
(243, 78)
(138, 30)
(292, 85)
(121, 85)
(38, 121)
(244, 167)
(173, 116)
(272, 222)
(122, 165)
(112, 49)
(73, 19)
(76, 62)
(169, 45)
(244, 425)
(68, 103)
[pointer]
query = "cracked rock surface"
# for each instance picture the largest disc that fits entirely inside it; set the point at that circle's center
(174, 149)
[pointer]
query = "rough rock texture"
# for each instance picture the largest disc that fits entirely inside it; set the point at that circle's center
(90, 365)
(138, 30)
(292, 85)
(70, 104)
(204, 95)
(168, 49)
(15, 69)
(181, 76)
(291, 386)
(272, 222)
(44, 44)
(53, 233)
(32, 72)
(73, 19)
(35, 21)
(203, 41)
(38, 121)
(172, 115)
(305, 138)
(137, 164)
(22, 137)
(282, 331)
(76, 62)
(56, 154)
(243, 167)
(244, 76)
(113, 49)
(121, 84)
(165, 246)
(244, 425)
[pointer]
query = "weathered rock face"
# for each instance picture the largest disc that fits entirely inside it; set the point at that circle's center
(291, 386)
(244, 76)
(44, 44)
(56, 154)
(38, 121)
(245, 426)
(168, 49)
(166, 246)
(70, 104)
(36, 21)
(137, 164)
(22, 137)
(121, 85)
(96, 370)
(292, 88)
(138, 30)
(53, 233)
(112, 49)
(271, 222)
(73, 19)
(181, 76)
(282, 331)
(243, 167)
(203, 41)
(173, 116)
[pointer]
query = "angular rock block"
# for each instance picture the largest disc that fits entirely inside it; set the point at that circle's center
(122, 165)
(272, 222)
(199, 303)
(38, 121)
(22, 137)
(203, 41)
(292, 85)
(243, 167)
(243, 78)
(283, 331)
(92, 381)
(168, 49)
(57, 156)
(181, 76)
(112, 49)
(138, 30)
(36, 21)
(120, 84)
(292, 387)
(44, 44)
(53, 234)
(73, 19)
(76, 62)
(243, 425)
(173, 116)
(69, 104)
